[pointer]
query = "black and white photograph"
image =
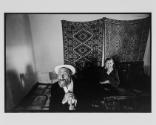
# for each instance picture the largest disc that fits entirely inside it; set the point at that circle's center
(77, 62)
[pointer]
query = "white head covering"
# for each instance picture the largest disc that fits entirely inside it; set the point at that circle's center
(73, 70)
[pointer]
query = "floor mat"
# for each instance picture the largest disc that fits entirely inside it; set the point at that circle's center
(38, 100)
(123, 104)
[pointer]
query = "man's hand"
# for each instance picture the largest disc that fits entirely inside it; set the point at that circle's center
(71, 100)
(69, 95)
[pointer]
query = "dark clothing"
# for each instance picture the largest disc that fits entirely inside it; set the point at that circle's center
(111, 88)
(57, 94)
(113, 77)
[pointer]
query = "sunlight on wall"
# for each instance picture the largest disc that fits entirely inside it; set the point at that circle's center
(20, 62)
(147, 57)
(18, 57)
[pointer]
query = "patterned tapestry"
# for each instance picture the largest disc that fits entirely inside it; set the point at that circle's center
(126, 40)
(83, 43)
(92, 42)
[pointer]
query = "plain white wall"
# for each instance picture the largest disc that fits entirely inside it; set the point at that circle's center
(48, 39)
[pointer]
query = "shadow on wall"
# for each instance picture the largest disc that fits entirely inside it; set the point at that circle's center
(30, 76)
(20, 62)
(17, 86)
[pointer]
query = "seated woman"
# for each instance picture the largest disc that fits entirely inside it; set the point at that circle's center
(109, 77)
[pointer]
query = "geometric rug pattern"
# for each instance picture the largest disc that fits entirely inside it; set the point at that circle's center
(83, 42)
(126, 40)
(90, 42)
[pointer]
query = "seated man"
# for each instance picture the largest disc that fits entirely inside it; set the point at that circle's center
(62, 92)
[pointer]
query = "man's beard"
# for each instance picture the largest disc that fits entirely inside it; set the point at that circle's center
(63, 82)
